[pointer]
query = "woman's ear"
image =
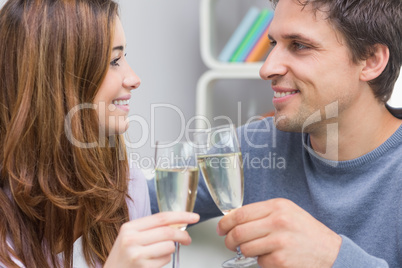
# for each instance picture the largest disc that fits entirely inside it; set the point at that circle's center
(375, 64)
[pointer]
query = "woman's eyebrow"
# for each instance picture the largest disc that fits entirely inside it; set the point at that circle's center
(118, 48)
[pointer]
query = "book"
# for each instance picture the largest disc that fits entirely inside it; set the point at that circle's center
(252, 36)
(260, 49)
(239, 34)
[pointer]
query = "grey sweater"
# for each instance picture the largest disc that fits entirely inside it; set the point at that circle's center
(360, 199)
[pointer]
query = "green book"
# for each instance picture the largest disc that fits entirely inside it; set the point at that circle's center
(237, 55)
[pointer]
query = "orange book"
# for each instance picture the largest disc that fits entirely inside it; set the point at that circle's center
(260, 48)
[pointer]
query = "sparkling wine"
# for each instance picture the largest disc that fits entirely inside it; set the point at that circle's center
(176, 189)
(223, 174)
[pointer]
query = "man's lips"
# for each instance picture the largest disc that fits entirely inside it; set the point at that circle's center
(281, 92)
(282, 95)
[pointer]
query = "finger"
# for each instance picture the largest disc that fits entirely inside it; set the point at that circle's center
(163, 219)
(269, 260)
(242, 215)
(153, 263)
(157, 235)
(263, 245)
(160, 262)
(253, 212)
(158, 250)
(248, 231)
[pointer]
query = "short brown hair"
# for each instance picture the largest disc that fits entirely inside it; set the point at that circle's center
(364, 24)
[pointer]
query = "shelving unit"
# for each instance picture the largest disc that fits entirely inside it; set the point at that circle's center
(207, 80)
(218, 70)
(207, 31)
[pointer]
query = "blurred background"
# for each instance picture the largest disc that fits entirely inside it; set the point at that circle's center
(163, 48)
(163, 40)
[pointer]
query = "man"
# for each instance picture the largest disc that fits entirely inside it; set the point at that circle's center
(323, 178)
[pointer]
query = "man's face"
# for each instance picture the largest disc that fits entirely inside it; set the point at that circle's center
(310, 67)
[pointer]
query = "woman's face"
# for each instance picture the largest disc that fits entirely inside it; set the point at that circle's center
(112, 99)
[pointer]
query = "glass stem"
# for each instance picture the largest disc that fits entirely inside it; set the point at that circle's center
(176, 263)
(239, 254)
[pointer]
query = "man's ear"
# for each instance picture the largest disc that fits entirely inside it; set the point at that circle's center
(375, 64)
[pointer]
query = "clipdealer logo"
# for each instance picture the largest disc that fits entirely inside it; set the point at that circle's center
(332, 140)
(271, 160)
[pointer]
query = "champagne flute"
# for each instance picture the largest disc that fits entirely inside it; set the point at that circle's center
(220, 162)
(176, 181)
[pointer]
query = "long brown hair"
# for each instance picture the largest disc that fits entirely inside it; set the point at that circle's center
(53, 57)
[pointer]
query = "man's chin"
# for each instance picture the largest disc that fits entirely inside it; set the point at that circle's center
(285, 123)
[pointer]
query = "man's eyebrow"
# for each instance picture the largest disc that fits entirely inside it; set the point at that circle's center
(298, 37)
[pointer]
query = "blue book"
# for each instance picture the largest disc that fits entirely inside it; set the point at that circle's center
(254, 34)
(239, 34)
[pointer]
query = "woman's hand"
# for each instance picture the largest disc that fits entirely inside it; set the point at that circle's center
(149, 241)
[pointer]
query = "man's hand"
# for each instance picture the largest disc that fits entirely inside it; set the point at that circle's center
(281, 234)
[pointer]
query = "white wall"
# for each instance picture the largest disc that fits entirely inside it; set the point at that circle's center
(163, 49)
(396, 98)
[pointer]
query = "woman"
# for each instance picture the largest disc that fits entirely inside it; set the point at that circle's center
(64, 90)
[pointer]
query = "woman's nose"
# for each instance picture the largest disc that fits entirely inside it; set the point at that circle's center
(131, 81)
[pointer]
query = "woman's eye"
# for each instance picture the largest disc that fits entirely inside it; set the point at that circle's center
(272, 43)
(115, 62)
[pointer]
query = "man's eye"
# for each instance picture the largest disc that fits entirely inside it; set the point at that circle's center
(298, 46)
(272, 43)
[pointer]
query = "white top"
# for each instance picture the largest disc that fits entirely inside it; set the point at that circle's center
(138, 207)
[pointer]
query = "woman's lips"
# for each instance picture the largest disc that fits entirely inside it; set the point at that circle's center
(122, 103)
